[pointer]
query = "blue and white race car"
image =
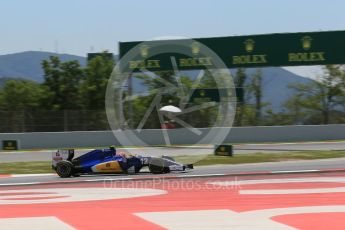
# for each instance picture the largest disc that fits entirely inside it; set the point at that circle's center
(109, 161)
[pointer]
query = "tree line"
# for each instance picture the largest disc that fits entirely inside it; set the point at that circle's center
(71, 97)
(321, 101)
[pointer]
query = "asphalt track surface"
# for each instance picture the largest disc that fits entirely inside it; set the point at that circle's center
(286, 166)
(45, 155)
(253, 168)
(280, 195)
(279, 202)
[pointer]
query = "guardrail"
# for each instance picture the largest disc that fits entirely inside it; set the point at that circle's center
(41, 140)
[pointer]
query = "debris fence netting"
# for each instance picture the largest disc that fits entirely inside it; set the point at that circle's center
(52, 121)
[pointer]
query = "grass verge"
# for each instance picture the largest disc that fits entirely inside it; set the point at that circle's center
(26, 167)
(262, 157)
(45, 166)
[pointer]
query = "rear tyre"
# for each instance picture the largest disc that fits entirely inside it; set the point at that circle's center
(64, 169)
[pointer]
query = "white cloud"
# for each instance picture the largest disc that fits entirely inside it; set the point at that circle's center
(306, 71)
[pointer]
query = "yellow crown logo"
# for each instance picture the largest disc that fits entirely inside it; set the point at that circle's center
(249, 45)
(144, 50)
(306, 42)
(195, 48)
(222, 149)
(202, 93)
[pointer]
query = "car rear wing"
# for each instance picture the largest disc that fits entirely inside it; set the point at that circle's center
(62, 154)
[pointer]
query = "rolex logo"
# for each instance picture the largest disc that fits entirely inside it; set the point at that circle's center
(249, 45)
(306, 42)
(195, 48)
(144, 50)
(202, 93)
(222, 149)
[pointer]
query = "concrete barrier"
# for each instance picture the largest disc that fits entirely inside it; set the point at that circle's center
(178, 136)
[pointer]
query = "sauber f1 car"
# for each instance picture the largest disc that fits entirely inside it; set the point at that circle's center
(109, 161)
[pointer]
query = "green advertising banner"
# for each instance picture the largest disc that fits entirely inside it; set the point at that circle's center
(91, 56)
(289, 49)
(223, 150)
(10, 145)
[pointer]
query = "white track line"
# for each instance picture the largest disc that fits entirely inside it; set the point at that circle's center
(37, 223)
(296, 171)
(33, 175)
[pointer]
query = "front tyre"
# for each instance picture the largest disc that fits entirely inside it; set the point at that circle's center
(64, 169)
(158, 166)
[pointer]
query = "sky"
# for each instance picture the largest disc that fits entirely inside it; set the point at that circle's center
(82, 26)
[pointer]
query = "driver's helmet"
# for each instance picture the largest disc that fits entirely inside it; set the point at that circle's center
(113, 149)
(124, 154)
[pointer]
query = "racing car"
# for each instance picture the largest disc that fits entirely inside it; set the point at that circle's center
(109, 161)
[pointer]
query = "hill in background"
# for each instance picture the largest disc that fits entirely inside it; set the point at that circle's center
(275, 82)
(27, 65)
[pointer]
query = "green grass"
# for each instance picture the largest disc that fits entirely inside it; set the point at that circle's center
(180, 145)
(45, 166)
(262, 157)
(26, 167)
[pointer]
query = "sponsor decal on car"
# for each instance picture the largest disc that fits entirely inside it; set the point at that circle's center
(111, 166)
